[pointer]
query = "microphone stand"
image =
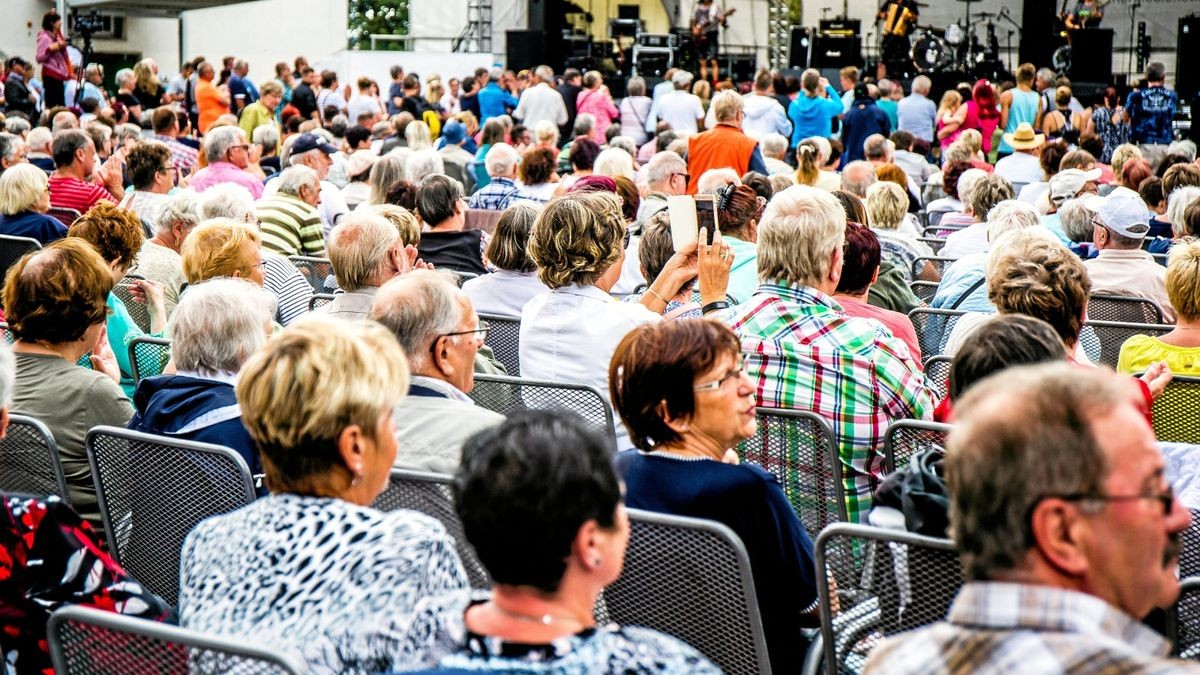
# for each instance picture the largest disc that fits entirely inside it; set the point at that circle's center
(1133, 45)
(1004, 15)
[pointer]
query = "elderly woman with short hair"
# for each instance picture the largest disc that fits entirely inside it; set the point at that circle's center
(549, 527)
(538, 173)
(51, 338)
(577, 243)
(117, 236)
(223, 248)
(24, 201)
(887, 204)
(514, 282)
(158, 259)
(680, 389)
(219, 323)
(312, 568)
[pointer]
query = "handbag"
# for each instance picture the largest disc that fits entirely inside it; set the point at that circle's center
(919, 492)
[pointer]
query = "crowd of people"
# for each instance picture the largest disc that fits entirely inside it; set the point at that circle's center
(536, 195)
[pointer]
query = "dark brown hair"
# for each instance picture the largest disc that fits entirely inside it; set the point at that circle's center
(56, 294)
(862, 257)
(537, 165)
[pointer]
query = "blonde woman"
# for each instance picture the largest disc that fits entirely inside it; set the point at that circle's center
(147, 90)
(1181, 347)
(951, 114)
(24, 201)
(887, 204)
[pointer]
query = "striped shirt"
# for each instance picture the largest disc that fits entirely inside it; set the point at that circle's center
(997, 627)
(802, 351)
(292, 293)
(289, 226)
(184, 158)
(68, 192)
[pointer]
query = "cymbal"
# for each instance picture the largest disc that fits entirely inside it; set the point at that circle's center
(984, 15)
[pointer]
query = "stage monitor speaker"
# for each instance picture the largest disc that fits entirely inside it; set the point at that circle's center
(1187, 50)
(800, 47)
(739, 66)
(838, 52)
(527, 49)
(1091, 55)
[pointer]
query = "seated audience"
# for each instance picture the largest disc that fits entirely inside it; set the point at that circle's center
(221, 247)
(231, 159)
(1122, 267)
(887, 204)
(654, 251)
(76, 183)
(987, 191)
(805, 353)
(288, 219)
(891, 289)
(158, 260)
(445, 243)
(1040, 546)
(24, 201)
(51, 337)
(964, 284)
(739, 212)
(117, 235)
(550, 528)
(366, 251)
(152, 172)
(681, 391)
(441, 335)
(860, 269)
(502, 189)
(1180, 348)
(514, 281)
(218, 325)
(538, 173)
(312, 568)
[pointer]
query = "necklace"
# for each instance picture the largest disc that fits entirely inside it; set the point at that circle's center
(543, 619)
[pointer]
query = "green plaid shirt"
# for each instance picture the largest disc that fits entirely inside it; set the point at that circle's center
(803, 352)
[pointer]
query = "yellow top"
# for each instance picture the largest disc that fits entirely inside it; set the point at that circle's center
(1140, 351)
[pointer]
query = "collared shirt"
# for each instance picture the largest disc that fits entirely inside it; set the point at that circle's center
(498, 195)
(1131, 273)
(679, 109)
(225, 172)
(184, 158)
(351, 304)
(539, 103)
(289, 226)
(802, 351)
(996, 627)
(917, 115)
(1150, 113)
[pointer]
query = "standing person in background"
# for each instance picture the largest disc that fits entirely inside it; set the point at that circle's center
(1150, 113)
(1109, 122)
(814, 108)
(917, 114)
(211, 102)
(242, 91)
(52, 54)
(304, 96)
(569, 89)
(1018, 106)
(395, 97)
(863, 119)
(983, 112)
(888, 101)
(635, 111)
(596, 100)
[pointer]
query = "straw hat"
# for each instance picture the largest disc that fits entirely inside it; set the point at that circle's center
(1024, 138)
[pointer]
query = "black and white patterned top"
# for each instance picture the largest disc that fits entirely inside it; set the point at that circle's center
(605, 649)
(349, 589)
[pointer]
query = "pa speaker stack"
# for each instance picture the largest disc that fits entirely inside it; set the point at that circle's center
(1187, 50)
(838, 44)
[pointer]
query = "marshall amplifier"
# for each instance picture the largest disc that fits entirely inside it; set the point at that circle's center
(839, 27)
(837, 52)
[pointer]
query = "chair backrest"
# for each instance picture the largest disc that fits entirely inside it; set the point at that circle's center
(86, 641)
(504, 337)
(1124, 309)
(935, 218)
(429, 493)
(462, 276)
(935, 244)
(691, 578)
(149, 356)
(905, 438)
(1183, 621)
(941, 231)
(138, 311)
(64, 215)
(924, 290)
(1175, 418)
(1110, 335)
(320, 300)
(481, 219)
(937, 374)
(504, 394)
(12, 248)
(933, 328)
(317, 272)
(907, 581)
(1189, 551)
(29, 461)
(798, 447)
(938, 263)
(152, 490)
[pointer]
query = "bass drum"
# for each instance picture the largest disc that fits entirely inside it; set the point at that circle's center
(930, 54)
(954, 34)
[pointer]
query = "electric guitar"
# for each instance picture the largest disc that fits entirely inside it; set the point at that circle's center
(699, 28)
(1068, 20)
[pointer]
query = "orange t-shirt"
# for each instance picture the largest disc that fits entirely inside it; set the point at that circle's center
(209, 104)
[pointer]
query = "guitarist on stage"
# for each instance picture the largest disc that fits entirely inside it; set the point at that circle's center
(706, 27)
(1087, 14)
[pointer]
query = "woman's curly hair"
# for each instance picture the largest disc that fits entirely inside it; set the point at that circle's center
(576, 238)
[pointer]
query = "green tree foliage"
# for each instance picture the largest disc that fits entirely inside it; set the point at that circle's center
(377, 17)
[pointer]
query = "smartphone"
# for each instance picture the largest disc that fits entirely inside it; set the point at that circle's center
(688, 215)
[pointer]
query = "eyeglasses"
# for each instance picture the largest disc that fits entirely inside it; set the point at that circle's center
(480, 331)
(243, 146)
(1166, 498)
(168, 169)
(735, 374)
(687, 177)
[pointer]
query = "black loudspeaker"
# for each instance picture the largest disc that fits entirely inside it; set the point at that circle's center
(1187, 50)
(838, 52)
(739, 66)
(1091, 55)
(1039, 38)
(527, 49)
(800, 47)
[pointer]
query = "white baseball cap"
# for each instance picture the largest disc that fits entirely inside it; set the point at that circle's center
(1122, 211)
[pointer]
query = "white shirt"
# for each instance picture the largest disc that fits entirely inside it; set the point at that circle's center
(451, 104)
(1020, 168)
(1130, 273)
(362, 104)
(570, 334)
(764, 116)
(540, 102)
(503, 292)
(970, 239)
(915, 166)
(679, 109)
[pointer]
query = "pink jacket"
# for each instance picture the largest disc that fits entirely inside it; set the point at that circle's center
(54, 63)
(598, 103)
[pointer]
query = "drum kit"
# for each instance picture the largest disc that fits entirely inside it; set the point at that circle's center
(959, 47)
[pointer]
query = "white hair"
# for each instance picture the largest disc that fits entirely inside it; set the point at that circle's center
(921, 85)
(220, 140)
(39, 139)
(501, 159)
(183, 206)
(295, 177)
(773, 145)
(228, 200)
(544, 131)
(1186, 147)
(613, 162)
(800, 230)
(1009, 215)
(966, 185)
(714, 178)
(824, 149)
(266, 135)
(662, 166)
(218, 324)
(424, 162)
(1177, 203)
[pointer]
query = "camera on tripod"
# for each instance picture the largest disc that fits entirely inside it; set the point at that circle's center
(89, 24)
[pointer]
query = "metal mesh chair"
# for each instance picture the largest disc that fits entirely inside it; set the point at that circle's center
(937, 374)
(935, 219)
(1122, 309)
(504, 395)
(934, 243)
(317, 272)
(940, 231)
(938, 263)
(429, 493)
(907, 581)
(138, 311)
(798, 447)
(64, 215)
(1175, 409)
(1110, 335)
(1183, 622)
(84, 361)
(86, 641)
(462, 276)
(691, 578)
(924, 290)
(149, 356)
(320, 300)
(152, 490)
(13, 248)
(933, 328)
(29, 462)
(504, 337)
(905, 438)
(1189, 552)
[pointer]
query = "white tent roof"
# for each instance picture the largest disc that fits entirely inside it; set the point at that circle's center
(161, 8)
